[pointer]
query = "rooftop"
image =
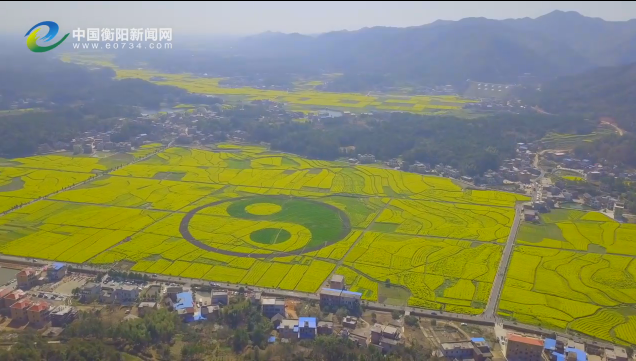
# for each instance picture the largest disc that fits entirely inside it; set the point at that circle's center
(478, 339)
(271, 301)
(620, 351)
(457, 345)
(15, 295)
(147, 304)
(219, 293)
(330, 292)
(525, 339)
(337, 278)
(39, 306)
(184, 300)
(550, 344)
(580, 354)
(4, 291)
(22, 304)
(307, 322)
(57, 266)
(61, 310)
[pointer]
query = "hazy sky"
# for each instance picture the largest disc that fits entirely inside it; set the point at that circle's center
(225, 17)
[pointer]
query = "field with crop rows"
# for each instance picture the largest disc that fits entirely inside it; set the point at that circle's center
(302, 98)
(580, 230)
(588, 293)
(244, 214)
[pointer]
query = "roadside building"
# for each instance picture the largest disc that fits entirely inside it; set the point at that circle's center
(529, 215)
(220, 298)
(523, 348)
(185, 306)
(19, 310)
(336, 297)
(173, 291)
(27, 278)
(38, 314)
(337, 282)
(62, 316)
(56, 271)
(271, 306)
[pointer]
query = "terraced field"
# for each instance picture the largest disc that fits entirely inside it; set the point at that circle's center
(574, 271)
(246, 215)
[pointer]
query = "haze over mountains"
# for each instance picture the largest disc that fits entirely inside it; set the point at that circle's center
(558, 43)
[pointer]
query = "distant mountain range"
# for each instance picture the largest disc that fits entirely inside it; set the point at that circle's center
(558, 43)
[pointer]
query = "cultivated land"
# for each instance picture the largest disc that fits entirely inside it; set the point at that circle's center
(575, 271)
(244, 215)
(304, 100)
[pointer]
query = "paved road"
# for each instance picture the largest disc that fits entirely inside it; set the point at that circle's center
(493, 302)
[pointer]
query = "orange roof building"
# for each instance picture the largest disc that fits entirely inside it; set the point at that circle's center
(38, 313)
(19, 310)
(523, 348)
(10, 298)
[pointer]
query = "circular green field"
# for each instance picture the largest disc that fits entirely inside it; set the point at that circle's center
(270, 235)
(326, 223)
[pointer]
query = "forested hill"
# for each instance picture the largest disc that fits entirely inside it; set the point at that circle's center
(443, 52)
(607, 91)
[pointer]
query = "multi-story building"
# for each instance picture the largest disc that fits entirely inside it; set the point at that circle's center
(56, 271)
(19, 310)
(90, 292)
(337, 282)
(307, 328)
(39, 313)
(523, 348)
(12, 297)
(27, 278)
(272, 306)
(458, 350)
(338, 297)
(62, 316)
(288, 329)
(126, 293)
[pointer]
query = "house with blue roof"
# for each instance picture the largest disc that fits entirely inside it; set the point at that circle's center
(56, 271)
(184, 305)
(307, 328)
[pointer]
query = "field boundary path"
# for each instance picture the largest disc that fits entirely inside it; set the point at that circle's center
(364, 231)
(493, 301)
(91, 179)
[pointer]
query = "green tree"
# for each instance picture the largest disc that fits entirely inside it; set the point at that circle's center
(240, 339)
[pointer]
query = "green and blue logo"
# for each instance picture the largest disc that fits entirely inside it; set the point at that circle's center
(33, 37)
